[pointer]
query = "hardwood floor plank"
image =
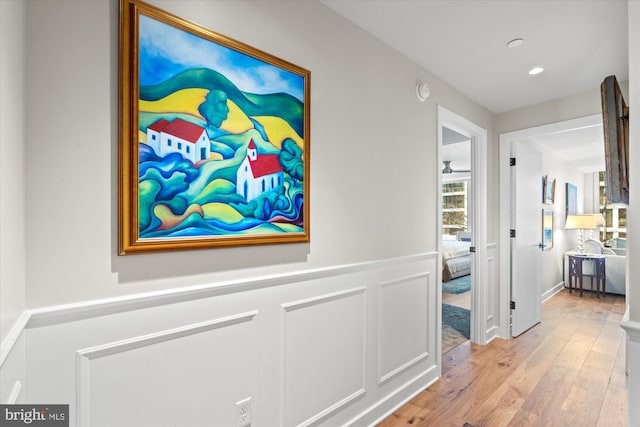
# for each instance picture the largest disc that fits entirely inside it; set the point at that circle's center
(566, 371)
(412, 414)
(525, 418)
(615, 408)
(546, 400)
(508, 400)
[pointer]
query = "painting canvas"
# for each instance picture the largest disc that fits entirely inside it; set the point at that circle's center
(547, 229)
(548, 190)
(572, 199)
(214, 147)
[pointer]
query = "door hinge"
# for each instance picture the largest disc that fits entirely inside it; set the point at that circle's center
(472, 249)
(513, 305)
(512, 161)
(512, 233)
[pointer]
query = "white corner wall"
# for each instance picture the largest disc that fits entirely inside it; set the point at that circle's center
(358, 305)
(633, 213)
(12, 199)
(12, 169)
(631, 322)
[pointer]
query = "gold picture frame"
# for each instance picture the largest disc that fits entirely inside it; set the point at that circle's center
(207, 159)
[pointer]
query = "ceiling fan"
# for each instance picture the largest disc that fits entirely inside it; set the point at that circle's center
(447, 168)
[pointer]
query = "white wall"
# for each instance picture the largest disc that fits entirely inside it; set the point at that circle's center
(363, 288)
(632, 316)
(12, 199)
(564, 240)
(591, 193)
(368, 133)
(12, 169)
(633, 213)
(571, 107)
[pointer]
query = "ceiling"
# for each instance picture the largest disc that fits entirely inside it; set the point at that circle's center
(456, 148)
(581, 148)
(463, 42)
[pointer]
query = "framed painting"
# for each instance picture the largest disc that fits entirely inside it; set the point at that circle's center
(548, 189)
(214, 138)
(572, 200)
(547, 229)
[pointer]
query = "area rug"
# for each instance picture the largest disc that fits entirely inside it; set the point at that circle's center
(458, 318)
(451, 338)
(457, 286)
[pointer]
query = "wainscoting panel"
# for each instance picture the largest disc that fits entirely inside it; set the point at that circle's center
(324, 338)
(12, 370)
(202, 366)
(336, 346)
(403, 333)
(493, 301)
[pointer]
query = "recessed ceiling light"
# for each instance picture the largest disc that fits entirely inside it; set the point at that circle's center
(535, 70)
(515, 43)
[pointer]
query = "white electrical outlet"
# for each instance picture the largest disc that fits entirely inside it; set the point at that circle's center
(243, 412)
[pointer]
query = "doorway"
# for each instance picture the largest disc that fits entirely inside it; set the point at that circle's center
(457, 205)
(461, 214)
(568, 141)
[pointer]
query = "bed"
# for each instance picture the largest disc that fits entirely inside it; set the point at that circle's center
(456, 259)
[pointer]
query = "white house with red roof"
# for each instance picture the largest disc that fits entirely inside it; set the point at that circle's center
(179, 136)
(258, 173)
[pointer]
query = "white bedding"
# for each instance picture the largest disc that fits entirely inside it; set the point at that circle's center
(454, 249)
(460, 266)
(456, 259)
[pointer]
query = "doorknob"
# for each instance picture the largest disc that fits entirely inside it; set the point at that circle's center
(542, 246)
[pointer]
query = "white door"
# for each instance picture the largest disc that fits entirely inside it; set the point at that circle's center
(526, 209)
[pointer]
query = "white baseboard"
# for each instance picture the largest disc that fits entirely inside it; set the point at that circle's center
(631, 327)
(430, 376)
(15, 393)
(551, 292)
(632, 362)
(492, 333)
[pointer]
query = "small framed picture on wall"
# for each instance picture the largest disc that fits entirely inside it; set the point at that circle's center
(547, 229)
(572, 199)
(548, 189)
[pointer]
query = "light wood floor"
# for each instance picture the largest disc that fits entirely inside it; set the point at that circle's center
(459, 300)
(566, 371)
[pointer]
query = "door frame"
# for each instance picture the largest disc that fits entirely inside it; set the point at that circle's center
(479, 285)
(505, 140)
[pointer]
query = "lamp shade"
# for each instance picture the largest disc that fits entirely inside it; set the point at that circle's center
(580, 222)
(599, 219)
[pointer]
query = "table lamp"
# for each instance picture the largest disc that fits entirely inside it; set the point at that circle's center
(599, 221)
(580, 223)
